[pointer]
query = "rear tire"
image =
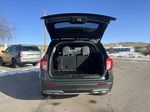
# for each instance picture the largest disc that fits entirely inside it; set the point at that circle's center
(13, 63)
(1, 61)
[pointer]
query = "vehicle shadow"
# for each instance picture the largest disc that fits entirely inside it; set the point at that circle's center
(55, 97)
(23, 86)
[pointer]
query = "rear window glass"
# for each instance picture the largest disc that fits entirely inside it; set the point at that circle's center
(10, 49)
(29, 48)
(68, 25)
(75, 50)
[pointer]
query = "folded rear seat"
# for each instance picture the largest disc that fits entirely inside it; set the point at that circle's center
(66, 62)
(83, 64)
(84, 61)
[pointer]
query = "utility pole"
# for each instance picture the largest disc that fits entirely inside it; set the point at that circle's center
(45, 47)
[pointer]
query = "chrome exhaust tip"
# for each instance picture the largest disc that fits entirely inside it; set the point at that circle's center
(99, 91)
(53, 92)
(103, 92)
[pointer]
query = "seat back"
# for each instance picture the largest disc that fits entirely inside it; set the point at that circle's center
(85, 51)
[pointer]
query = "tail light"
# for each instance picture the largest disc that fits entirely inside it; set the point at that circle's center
(109, 64)
(53, 84)
(44, 64)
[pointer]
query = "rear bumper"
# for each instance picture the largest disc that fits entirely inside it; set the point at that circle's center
(73, 89)
(60, 92)
(75, 86)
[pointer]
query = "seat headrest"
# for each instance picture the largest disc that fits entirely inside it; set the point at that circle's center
(66, 51)
(85, 51)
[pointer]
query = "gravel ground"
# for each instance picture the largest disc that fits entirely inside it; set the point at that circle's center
(130, 93)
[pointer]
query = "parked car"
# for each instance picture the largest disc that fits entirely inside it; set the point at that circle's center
(76, 61)
(20, 55)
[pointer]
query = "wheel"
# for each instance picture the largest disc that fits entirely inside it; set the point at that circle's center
(1, 61)
(34, 64)
(13, 63)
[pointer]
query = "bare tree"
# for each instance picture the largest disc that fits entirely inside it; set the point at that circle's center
(5, 31)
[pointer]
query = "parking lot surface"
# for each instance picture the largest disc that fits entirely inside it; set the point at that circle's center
(20, 91)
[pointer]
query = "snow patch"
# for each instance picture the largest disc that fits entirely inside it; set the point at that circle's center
(17, 71)
(130, 55)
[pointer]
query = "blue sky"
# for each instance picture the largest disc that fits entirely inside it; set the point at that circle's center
(132, 24)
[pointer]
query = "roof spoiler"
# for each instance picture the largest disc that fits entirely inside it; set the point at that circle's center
(98, 16)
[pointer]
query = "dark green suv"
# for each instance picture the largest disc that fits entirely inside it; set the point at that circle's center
(76, 61)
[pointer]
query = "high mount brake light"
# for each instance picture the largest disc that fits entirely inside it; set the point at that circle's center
(44, 64)
(109, 64)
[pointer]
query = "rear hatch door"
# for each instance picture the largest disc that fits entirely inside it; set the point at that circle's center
(73, 26)
(30, 53)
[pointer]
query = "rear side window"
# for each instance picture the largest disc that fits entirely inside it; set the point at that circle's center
(29, 48)
(10, 49)
(18, 49)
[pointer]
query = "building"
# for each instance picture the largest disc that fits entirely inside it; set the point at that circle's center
(120, 49)
(3, 47)
(123, 49)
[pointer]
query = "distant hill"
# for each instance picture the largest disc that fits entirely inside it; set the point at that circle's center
(134, 44)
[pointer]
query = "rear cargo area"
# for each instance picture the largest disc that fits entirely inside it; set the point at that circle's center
(76, 59)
